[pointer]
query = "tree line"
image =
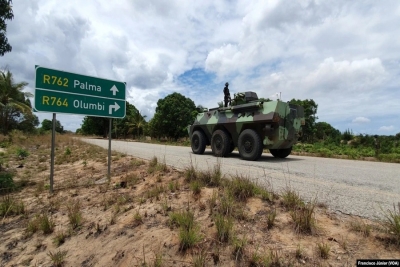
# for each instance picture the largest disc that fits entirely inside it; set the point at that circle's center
(172, 116)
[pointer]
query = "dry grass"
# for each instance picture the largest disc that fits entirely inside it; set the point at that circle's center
(196, 218)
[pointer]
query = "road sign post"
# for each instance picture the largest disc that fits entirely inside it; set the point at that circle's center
(65, 92)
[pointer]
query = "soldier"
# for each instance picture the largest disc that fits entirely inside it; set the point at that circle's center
(227, 95)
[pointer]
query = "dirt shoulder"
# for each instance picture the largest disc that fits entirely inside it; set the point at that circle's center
(135, 218)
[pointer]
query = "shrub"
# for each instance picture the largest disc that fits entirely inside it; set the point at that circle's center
(67, 151)
(22, 153)
(6, 181)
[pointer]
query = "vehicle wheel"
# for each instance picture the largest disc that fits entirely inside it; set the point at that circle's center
(198, 142)
(281, 153)
(250, 145)
(220, 143)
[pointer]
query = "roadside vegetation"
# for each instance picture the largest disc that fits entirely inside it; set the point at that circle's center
(318, 138)
(148, 214)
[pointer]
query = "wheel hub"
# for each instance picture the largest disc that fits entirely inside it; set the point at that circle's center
(196, 142)
(248, 146)
(218, 143)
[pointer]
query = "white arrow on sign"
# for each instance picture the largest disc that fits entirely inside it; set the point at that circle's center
(111, 107)
(114, 89)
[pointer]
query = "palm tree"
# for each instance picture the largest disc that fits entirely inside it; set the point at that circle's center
(140, 121)
(13, 101)
(135, 121)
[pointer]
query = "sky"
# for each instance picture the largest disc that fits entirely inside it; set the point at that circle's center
(345, 55)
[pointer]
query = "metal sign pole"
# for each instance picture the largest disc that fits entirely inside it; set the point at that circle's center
(109, 150)
(53, 137)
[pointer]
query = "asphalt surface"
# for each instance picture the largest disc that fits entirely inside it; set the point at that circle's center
(362, 188)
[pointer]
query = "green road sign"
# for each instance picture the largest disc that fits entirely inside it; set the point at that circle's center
(65, 92)
(53, 101)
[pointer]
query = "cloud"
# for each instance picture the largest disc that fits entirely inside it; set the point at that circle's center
(387, 128)
(361, 120)
(339, 53)
(352, 76)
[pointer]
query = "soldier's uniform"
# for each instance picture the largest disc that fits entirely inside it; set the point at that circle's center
(227, 95)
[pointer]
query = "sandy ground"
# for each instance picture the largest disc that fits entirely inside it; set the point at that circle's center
(126, 221)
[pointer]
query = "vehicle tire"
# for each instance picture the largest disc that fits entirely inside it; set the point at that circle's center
(250, 145)
(281, 153)
(220, 143)
(198, 142)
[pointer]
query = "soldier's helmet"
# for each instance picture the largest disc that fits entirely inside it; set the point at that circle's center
(226, 84)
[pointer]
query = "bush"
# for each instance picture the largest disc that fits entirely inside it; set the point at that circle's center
(6, 180)
(22, 153)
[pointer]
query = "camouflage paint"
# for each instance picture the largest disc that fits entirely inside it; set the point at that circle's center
(277, 123)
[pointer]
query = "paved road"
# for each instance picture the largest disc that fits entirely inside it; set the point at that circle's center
(348, 186)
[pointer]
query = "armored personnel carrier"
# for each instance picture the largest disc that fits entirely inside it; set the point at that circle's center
(250, 124)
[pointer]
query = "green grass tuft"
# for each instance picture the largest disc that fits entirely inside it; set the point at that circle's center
(224, 225)
(392, 223)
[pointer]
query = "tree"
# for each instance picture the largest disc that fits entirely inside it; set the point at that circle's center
(325, 131)
(94, 126)
(14, 103)
(28, 123)
(134, 122)
(310, 110)
(347, 135)
(173, 114)
(152, 128)
(47, 125)
(5, 14)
